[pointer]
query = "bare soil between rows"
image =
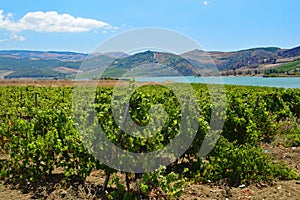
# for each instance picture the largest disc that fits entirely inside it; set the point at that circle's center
(280, 190)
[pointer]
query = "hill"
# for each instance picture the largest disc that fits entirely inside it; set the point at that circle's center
(289, 69)
(247, 61)
(234, 60)
(48, 64)
(151, 63)
(52, 64)
(57, 55)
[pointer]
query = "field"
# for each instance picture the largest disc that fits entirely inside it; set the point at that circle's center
(43, 155)
(56, 83)
(290, 66)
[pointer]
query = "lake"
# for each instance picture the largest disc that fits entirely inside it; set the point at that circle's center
(285, 82)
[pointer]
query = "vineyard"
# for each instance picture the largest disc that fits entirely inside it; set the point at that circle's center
(40, 134)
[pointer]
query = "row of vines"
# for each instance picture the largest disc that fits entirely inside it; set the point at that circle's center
(38, 134)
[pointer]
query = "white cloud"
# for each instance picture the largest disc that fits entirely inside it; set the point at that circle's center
(205, 3)
(50, 21)
(14, 36)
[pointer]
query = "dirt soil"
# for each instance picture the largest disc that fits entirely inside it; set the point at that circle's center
(69, 83)
(279, 190)
(57, 83)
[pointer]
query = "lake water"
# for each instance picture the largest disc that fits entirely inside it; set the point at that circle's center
(285, 82)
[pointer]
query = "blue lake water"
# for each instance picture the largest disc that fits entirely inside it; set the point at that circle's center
(285, 82)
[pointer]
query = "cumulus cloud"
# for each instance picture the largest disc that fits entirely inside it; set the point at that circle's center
(205, 3)
(50, 21)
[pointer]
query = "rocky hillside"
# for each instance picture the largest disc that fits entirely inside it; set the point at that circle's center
(251, 58)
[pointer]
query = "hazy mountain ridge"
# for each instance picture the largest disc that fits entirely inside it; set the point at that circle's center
(59, 55)
(55, 64)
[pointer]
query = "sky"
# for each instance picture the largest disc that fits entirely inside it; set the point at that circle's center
(81, 25)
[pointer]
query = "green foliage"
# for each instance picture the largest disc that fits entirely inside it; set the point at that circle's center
(293, 139)
(289, 66)
(170, 184)
(241, 164)
(40, 139)
(120, 192)
(290, 134)
(39, 135)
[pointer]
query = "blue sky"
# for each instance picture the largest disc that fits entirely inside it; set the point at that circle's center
(80, 25)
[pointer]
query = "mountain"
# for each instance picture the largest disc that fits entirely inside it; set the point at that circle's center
(62, 56)
(290, 53)
(50, 64)
(151, 63)
(54, 64)
(231, 60)
(246, 59)
(24, 67)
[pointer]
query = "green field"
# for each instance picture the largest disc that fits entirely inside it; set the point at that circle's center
(39, 133)
(290, 66)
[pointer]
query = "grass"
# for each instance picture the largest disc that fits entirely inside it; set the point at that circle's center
(289, 66)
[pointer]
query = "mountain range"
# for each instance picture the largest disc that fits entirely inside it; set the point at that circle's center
(54, 64)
